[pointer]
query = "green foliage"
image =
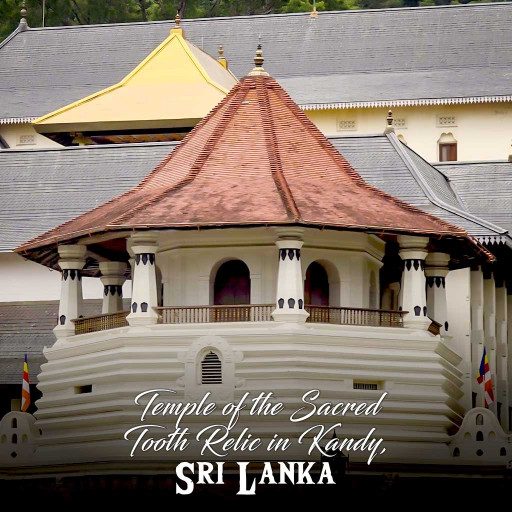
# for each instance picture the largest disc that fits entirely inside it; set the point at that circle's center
(86, 12)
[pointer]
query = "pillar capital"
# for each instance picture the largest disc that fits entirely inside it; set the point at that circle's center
(72, 257)
(412, 242)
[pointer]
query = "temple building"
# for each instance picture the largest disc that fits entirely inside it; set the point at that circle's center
(164, 224)
(345, 70)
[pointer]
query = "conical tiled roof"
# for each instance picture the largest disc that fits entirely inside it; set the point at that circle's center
(256, 159)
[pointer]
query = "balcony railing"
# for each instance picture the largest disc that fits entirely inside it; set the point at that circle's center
(210, 314)
(355, 316)
(244, 313)
(100, 322)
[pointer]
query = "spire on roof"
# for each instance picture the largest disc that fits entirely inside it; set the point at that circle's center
(221, 59)
(258, 64)
(389, 127)
(314, 12)
(23, 21)
(177, 24)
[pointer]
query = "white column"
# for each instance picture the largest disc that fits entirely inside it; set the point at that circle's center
(436, 272)
(290, 288)
(502, 352)
(72, 260)
(414, 299)
(490, 330)
(509, 349)
(144, 294)
(477, 331)
(112, 278)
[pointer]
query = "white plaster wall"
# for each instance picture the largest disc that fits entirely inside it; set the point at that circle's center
(483, 131)
(23, 280)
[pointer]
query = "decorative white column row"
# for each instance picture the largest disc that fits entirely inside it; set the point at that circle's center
(71, 262)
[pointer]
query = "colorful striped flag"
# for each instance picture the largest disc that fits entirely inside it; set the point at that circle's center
(25, 390)
(484, 375)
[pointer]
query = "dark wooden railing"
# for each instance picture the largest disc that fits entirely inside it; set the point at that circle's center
(207, 314)
(244, 313)
(355, 316)
(96, 323)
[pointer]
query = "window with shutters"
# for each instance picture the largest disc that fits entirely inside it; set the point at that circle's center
(211, 369)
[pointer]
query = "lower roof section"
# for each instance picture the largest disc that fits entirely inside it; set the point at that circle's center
(42, 188)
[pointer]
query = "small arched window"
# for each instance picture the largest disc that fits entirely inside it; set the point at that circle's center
(503, 452)
(14, 423)
(456, 452)
(447, 148)
(316, 290)
(211, 369)
(479, 436)
(479, 419)
(14, 439)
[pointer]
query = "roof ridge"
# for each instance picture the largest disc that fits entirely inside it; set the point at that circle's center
(431, 194)
(275, 15)
(273, 152)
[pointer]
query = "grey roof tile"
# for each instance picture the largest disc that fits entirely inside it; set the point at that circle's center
(485, 188)
(339, 57)
(43, 188)
(26, 328)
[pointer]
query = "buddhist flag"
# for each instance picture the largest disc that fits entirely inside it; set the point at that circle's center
(25, 390)
(484, 375)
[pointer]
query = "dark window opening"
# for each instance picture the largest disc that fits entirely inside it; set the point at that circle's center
(316, 292)
(448, 152)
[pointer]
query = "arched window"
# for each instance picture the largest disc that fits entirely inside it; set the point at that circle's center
(456, 452)
(316, 292)
(211, 369)
(503, 452)
(14, 423)
(479, 419)
(447, 148)
(480, 436)
(14, 439)
(232, 284)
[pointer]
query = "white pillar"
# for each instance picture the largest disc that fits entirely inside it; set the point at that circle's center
(144, 293)
(477, 331)
(502, 352)
(436, 272)
(72, 260)
(490, 330)
(112, 278)
(414, 299)
(290, 288)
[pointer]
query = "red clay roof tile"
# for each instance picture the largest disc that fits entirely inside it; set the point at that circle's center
(255, 159)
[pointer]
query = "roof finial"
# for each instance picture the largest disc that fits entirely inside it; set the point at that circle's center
(222, 61)
(23, 21)
(258, 63)
(314, 12)
(389, 127)
(177, 24)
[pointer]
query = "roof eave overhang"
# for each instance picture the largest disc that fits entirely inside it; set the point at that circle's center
(413, 102)
(110, 126)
